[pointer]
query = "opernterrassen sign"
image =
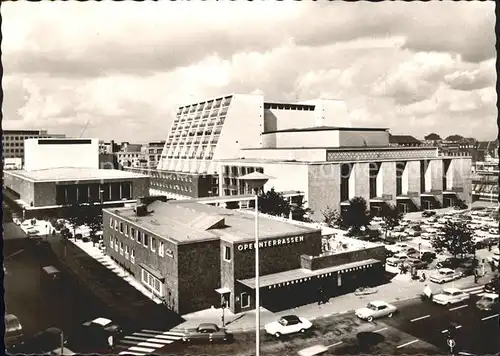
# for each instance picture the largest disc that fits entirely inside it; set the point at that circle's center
(271, 243)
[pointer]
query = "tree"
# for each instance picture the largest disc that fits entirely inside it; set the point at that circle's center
(273, 203)
(299, 211)
(75, 216)
(357, 214)
(432, 137)
(454, 138)
(456, 240)
(391, 216)
(332, 217)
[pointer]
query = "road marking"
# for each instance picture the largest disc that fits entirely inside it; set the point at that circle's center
(141, 349)
(408, 343)
(459, 307)
(490, 317)
(332, 345)
(168, 337)
(150, 344)
(422, 317)
(131, 353)
(379, 330)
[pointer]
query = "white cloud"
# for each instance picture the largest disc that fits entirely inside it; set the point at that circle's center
(127, 66)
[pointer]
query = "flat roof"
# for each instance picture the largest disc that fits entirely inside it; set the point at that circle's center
(187, 222)
(72, 174)
(302, 273)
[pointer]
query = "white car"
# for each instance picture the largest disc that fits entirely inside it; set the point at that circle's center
(376, 309)
(450, 296)
(445, 275)
(397, 259)
(399, 247)
(288, 324)
(426, 236)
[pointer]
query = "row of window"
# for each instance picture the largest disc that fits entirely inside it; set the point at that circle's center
(129, 254)
(182, 188)
(17, 138)
(14, 144)
(140, 237)
(12, 150)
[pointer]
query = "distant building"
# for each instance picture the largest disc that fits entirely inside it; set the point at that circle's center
(60, 172)
(487, 149)
(459, 148)
(13, 141)
(404, 141)
(485, 176)
(153, 151)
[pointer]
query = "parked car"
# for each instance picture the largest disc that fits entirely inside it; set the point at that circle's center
(416, 263)
(376, 309)
(206, 332)
(288, 324)
(493, 286)
(104, 324)
(488, 301)
(397, 259)
(443, 275)
(13, 331)
(428, 213)
(410, 251)
(426, 236)
(450, 262)
(428, 256)
(450, 296)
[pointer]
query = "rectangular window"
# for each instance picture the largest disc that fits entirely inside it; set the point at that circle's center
(161, 248)
(146, 240)
(125, 230)
(227, 253)
(132, 256)
(132, 233)
(139, 237)
(245, 300)
(111, 241)
(116, 225)
(121, 248)
(110, 222)
(126, 252)
(153, 244)
(116, 244)
(121, 227)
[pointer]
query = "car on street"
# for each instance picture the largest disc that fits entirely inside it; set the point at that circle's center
(104, 324)
(206, 332)
(493, 286)
(426, 236)
(489, 301)
(398, 247)
(449, 262)
(397, 259)
(288, 324)
(42, 342)
(376, 309)
(416, 263)
(450, 296)
(13, 330)
(444, 275)
(428, 256)
(428, 213)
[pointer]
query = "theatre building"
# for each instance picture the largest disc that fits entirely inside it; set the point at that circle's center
(188, 253)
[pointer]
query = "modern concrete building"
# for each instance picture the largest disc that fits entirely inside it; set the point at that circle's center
(153, 151)
(59, 172)
(309, 147)
(13, 141)
(185, 251)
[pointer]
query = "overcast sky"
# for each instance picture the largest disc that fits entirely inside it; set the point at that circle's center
(412, 67)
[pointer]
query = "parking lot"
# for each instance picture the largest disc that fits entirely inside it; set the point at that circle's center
(411, 242)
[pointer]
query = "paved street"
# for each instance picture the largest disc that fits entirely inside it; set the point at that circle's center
(416, 329)
(37, 302)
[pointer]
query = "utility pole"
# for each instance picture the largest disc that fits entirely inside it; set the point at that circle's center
(62, 343)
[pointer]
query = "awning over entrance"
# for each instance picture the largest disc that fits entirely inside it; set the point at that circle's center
(301, 275)
(153, 271)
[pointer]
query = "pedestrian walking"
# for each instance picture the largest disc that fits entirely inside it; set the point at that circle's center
(428, 292)
(321, 296)
(476, 275)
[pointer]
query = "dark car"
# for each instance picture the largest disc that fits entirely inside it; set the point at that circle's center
(416, 263)
(493, 286)
(457, 263)
(428, 256)
(206, 332)
(43, 342)
(428, 213)
(412, 252)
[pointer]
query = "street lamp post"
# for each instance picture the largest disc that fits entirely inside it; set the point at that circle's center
(256, 181)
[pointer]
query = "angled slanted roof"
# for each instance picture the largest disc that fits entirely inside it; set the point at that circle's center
(403, 139)
(206, 222)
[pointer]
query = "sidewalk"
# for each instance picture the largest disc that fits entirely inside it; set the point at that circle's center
(399, 289)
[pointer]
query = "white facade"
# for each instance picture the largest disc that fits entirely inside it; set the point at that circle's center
(50, 153)
(219, 128)
(12, 163)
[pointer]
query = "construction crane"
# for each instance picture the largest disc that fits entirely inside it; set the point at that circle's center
(86, 125)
